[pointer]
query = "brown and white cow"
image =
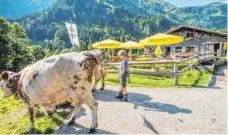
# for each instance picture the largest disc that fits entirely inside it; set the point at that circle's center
(57, 79)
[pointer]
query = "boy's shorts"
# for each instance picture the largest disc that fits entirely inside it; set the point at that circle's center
(123, 81)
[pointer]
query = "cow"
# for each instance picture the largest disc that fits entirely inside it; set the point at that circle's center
(57, 79)
(99, 76)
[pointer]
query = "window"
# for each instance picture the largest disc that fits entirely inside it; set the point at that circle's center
(190, 35)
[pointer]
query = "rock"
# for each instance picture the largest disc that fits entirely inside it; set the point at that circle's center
(180, 120)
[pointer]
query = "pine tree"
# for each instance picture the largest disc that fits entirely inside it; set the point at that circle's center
(19, 42)
(5, 49)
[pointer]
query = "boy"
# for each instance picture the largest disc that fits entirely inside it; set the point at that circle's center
(123, 74)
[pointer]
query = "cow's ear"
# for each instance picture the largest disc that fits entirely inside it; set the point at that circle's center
(5, 76)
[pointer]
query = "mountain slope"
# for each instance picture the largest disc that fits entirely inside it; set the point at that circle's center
(153, 7)
(213, 15)
(13, 9)
(106, 20)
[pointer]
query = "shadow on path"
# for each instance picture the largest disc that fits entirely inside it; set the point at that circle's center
(149, 125)
(65, 129)
(140, 100)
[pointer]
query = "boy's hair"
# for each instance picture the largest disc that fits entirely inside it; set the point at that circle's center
(122, 53)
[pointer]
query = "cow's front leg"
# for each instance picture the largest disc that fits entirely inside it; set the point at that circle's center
(53, 109)
(103, 83)
(45, 112)
(31, 117)
(74, 114)
(93, 104)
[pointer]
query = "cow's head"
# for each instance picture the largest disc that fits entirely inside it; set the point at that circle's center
(100, 56)
(9, 83)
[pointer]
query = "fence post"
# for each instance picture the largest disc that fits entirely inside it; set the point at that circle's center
(175, 70)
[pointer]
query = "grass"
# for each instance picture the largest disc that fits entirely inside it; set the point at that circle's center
(43, 124)
(189, 79)
(20, 124)
(8, 105)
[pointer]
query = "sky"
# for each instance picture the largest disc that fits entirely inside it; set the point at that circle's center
(184, 3)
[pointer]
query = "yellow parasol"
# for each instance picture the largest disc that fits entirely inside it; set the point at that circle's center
(161, 39)
(106, 44)
(131, 45)
(158, 51)
(225, 46)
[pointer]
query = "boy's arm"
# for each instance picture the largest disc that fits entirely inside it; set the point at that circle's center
(123, 70)
(121, 74)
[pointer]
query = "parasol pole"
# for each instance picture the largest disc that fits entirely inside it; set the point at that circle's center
(130, 54)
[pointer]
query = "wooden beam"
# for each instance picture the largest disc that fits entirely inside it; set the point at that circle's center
(187, 68)
(175, 70)
(148, 72)
(149, 62)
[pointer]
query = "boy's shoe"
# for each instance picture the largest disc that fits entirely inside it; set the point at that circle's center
(124, 99)
(120, 96)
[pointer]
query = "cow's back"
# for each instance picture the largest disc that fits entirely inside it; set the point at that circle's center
(53, 79)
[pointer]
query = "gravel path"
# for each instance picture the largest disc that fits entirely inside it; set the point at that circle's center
(159, 111)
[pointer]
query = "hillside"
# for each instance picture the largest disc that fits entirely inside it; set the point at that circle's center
(117, 19)
(12, 9)
(152, 7)
(213, 15)
(96, 21)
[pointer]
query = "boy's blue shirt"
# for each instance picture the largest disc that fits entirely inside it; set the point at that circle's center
(124, 65)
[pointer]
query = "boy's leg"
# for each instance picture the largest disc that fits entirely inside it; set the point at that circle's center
(124, 89)
(120, 95)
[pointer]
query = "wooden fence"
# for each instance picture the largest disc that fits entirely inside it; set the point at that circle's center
(174, 62)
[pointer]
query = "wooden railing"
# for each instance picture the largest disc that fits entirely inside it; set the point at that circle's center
(175, 63)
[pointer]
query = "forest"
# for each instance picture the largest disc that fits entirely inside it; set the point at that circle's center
(15, 51)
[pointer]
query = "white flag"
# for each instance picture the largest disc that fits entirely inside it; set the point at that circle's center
(73, 34)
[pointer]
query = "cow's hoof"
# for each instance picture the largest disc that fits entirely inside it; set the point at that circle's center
(102, 88)
(70, 122)
(92, 130)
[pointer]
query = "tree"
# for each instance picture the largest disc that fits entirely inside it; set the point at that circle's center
(38, 52)
(19, 42)
(65, 51)
(62, 34)
(5, 49)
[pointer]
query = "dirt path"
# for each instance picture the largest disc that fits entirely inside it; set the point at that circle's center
(161, 111)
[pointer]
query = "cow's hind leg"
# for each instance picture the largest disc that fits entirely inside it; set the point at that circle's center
(74, 114)
(93, 104)
(31, 117)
